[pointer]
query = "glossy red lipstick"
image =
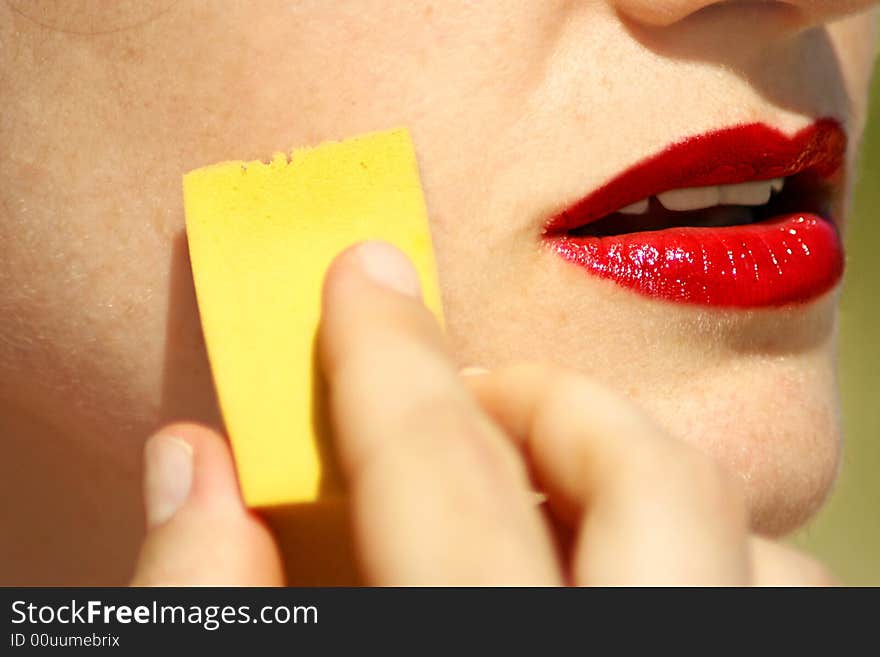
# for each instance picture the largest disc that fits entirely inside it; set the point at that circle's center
(789, 257)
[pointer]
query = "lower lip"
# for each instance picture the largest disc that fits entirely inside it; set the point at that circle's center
(785, 260)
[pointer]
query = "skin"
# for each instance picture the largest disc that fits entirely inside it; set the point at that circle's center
(517, 110)
(439, 468)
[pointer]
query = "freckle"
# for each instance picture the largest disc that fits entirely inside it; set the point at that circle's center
(564, 317)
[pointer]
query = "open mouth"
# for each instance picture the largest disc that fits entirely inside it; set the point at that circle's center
(740, 218)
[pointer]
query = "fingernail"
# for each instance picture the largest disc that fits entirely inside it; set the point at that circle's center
(473, 371)
(168, 468)
(388, 267)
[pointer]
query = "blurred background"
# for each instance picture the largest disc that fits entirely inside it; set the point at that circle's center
(846, 534)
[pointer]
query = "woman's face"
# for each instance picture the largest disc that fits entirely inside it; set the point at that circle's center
(518, 110)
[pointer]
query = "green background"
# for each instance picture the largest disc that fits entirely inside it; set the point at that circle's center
(846, 534)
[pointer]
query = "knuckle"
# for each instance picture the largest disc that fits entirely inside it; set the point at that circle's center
(441, 434)
(565, 391)
(541, 370)
(448, 431)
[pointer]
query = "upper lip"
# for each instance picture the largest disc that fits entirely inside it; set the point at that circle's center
(725, 157)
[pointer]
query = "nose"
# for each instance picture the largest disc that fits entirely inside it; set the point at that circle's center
(668, 12)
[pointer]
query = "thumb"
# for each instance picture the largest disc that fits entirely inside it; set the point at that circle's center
(199, 532)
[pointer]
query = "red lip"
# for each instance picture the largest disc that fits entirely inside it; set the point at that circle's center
(789, 258)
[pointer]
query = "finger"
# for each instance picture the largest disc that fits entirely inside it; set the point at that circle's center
(774, 564)
(199, 531)
(438, 495)
(651, 509)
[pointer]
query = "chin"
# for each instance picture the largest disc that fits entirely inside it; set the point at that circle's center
(776, 425)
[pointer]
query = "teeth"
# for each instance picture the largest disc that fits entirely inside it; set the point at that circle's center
(699, 198)
(691, 198)
(636, 208)
(750, 193)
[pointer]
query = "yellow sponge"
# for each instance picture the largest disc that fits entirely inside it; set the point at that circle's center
(261, 236)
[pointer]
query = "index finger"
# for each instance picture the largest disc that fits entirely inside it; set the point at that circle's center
(439, 495)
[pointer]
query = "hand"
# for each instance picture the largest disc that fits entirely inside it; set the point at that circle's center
(441, 470)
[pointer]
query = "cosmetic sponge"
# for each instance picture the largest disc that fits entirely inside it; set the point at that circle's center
(261, 237)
